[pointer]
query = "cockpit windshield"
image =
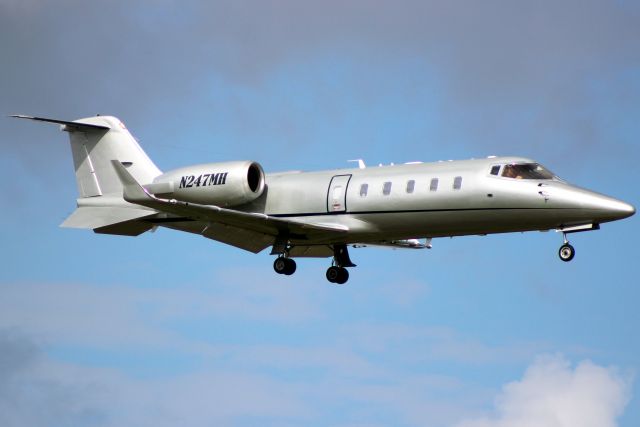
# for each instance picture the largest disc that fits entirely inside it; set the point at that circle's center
(526, 171)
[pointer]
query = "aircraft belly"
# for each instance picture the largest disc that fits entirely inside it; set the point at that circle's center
(469, 221)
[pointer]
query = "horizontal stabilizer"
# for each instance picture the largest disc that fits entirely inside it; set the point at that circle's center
(69, 126)
(101, 216)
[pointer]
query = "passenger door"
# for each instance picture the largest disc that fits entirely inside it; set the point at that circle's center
(337, 194)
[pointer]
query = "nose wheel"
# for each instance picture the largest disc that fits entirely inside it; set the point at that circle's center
(285, 266)
(566, 252)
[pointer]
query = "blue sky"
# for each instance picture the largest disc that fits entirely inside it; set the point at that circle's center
(168, 328)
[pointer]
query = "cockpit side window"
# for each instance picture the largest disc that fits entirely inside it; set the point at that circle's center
(495, 170)
(526, 171)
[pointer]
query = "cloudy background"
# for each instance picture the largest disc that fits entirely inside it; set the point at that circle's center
(170, 329)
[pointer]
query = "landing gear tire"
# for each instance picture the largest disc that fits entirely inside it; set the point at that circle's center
(333, 273)
(344, 276)
(337, 275)
(285, 266)
(291, 267)
(566, 252)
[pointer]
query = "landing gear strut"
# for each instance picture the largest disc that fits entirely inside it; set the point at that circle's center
(285, 266)
(337, 273)
(566, 252)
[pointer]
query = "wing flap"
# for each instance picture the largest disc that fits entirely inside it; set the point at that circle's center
(248, 240)
(315, 251)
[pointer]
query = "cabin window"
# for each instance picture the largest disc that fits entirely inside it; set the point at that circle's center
(495, 170)
(386, 188)
(457, 183)
(364, 188)
(434, 185)
(411, 185)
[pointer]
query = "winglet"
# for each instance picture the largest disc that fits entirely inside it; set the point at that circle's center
(132, 190)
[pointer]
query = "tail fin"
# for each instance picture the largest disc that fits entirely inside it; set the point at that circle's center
(95, 142)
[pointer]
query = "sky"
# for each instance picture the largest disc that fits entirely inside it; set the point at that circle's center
(173, 329)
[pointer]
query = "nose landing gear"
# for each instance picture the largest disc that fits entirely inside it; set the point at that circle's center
(566, 252)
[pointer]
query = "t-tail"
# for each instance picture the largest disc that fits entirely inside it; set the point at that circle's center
(95, 142)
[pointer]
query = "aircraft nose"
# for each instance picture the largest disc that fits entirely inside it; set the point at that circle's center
(596, 207)
(614, 208)
(625, 210)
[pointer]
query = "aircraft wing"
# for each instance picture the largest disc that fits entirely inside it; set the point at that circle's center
(263, 227)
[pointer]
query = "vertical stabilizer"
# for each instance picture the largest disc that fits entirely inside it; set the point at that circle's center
(95, 142)
(93, 150)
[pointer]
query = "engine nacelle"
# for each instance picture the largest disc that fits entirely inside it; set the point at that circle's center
(220, 184)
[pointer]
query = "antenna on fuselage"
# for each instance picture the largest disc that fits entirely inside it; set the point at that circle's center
(361, 164)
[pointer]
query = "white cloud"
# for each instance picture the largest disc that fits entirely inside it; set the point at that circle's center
(553, 394)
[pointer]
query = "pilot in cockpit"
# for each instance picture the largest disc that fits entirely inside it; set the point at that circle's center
(511, 172)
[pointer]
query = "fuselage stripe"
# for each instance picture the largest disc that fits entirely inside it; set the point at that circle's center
(404, 211)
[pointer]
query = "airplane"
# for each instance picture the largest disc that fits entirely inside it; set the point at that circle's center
(323, 213)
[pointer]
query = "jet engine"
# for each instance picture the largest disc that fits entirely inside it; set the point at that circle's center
(221, 184)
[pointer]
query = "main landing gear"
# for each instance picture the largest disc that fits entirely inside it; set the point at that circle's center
(337, 273)
(285, 266)
(566, 252)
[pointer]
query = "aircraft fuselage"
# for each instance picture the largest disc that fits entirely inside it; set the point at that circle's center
(452, 198)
